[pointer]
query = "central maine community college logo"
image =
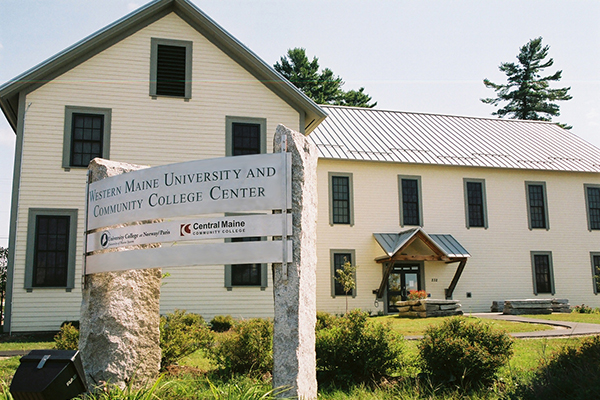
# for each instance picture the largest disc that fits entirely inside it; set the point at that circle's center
(185, 229)
(104, 239)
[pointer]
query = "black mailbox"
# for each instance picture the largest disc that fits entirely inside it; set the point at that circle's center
(49, 375)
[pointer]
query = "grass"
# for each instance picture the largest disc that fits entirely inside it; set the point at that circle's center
(26, 342)
(418, 326)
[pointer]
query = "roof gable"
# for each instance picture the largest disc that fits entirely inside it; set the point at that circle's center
(393, 136)
(144, 16)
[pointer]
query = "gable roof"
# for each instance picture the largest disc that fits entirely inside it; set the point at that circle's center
(126, 26)
(445, 244)
(378, 135)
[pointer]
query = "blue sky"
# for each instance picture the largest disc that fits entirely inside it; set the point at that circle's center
(410, 55)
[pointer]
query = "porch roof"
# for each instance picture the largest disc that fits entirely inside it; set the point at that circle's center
(445, 246)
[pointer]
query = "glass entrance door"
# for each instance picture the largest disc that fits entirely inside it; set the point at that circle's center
(402, 280)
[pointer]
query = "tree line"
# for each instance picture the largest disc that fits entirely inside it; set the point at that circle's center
(527, 93)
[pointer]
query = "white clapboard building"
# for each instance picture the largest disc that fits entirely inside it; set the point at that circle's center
(472, 209)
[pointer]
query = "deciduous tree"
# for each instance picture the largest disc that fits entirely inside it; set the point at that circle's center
(345, 277)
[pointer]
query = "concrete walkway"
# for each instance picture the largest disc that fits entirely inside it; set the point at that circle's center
(561, 328)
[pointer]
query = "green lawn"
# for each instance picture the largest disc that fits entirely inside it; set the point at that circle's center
(417, 326)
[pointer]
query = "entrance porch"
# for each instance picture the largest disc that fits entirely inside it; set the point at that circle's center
(405, 263)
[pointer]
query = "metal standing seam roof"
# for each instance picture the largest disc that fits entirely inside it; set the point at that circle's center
(391, 243)
(353, 133)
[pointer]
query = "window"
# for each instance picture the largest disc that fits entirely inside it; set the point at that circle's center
(475, 203)
(171, 68)
(410, 200)
(86, 136)
(537, 206)
(543, 280)
(338, 259)
(592, 200)
(246, 274)
(340, 199)
(51, 248)
(245, 139)
(245, 135)
(596, 271)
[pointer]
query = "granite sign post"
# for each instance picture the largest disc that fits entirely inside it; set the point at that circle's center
(294, 285)
(119, 336)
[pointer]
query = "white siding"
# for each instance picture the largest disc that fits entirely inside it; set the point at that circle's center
(500, 266)
(144, 131)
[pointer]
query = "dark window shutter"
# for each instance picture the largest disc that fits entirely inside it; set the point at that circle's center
(87, 135)
(594, 207)
(170, 70)
(542, 273)
(340, 190)
(537, 207)
(475, 200)
(410, 202)
(51, 258)
(246, 139)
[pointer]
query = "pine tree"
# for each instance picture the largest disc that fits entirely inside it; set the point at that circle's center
(528, 94)
(323, 87)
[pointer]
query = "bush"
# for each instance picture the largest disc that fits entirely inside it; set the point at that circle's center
(67, 338)
(221, 323)
(353, 350)
(247, 348)
(583, 309)
(464, 352)
(325, 320)
(181, 334)
(569, 373)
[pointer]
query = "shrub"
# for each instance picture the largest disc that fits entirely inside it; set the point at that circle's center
(464, 351)
(221, 323)
(569, 373)
(247, 348)
(67, 338)
(583, 309)
(325, 320)
(353, 350)
(181, 334)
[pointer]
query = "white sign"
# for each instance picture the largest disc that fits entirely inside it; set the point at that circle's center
(228, 184)
(190, 229)
(190, 255)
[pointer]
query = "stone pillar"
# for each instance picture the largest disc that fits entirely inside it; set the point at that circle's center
(119, 324)
(295, 297)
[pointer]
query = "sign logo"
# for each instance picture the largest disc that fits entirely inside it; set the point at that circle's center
(104, 239)
(185, 229)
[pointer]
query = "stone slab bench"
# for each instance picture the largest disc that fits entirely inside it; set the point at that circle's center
(428, 308)
(531, 306)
